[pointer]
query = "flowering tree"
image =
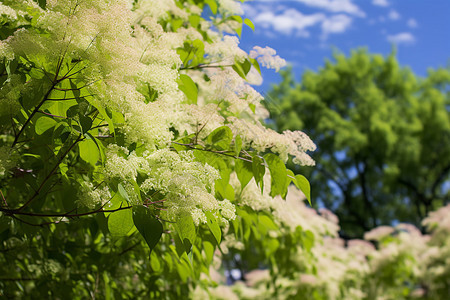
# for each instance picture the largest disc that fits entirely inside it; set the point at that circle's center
(389, 263)
(131, 142)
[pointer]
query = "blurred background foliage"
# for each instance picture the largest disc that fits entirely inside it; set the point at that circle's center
(383, 137)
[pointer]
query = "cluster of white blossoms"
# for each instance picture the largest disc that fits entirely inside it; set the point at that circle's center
(390, 258)
(230, 7)
(92, 196)
(293, 143)
(128, 67)
(187, 185)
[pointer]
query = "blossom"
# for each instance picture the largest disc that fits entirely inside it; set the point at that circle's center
(378, 233)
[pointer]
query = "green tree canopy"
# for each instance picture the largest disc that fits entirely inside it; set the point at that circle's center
(383, 137)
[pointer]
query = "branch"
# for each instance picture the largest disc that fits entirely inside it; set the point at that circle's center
(36, 193)
(439, 180)
(365, 192)
(203, 66)
(192, 146)
(13, 213)
(36, 109)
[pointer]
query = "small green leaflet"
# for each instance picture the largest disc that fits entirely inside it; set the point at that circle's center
(85, 123)
(259, 169)
(213, 226)
(123, 192)
(43, 124)
(244, 172)
(249, 24)
(303, 184)
(242, 68)
(213, 5)
(278, 173)
(188, 87)
(89, 151)
(186, 230)
(237, 145)
(147, 225)
(120, 222)
(220, 138)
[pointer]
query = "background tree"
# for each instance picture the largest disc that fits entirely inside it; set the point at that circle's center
(383, 137)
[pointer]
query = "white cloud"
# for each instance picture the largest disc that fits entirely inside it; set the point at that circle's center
(289, 21)
(336, 24)
(293, 22)
(380, 2)
(394, 15)
(412, 23)
(336, 6)
(345, 6)
(402, 38)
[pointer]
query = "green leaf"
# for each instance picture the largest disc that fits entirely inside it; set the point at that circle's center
(255, 64)
(43, 124)
(236, 18)
(154, 262)
(213, 226)
(220, 138)
(100, 146)
(224, 190)
(186, 230)
(237, 67)
(85, 123)
(237, 145)
(147, 225)
(89, 151)
(266, 223)
(308, 240)
(36, 73)
(213, 5)
(249, 24)
(252, 107)
(259, 169)
(123, 192)
(42, 3)
(303, 184)
(278, 173)
(120, 222)
(194, 20)
(246, 66)
(244, 172)
(208, 247)
(189, 88)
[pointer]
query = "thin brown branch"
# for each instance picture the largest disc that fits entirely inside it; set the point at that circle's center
(204, 66)
(69, 215)
(50, 115)
(225, 153)
(36, 193)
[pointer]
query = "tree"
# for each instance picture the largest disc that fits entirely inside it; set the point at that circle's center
(383, 137)
(128, 134)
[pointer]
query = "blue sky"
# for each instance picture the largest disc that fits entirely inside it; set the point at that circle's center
(305, 32)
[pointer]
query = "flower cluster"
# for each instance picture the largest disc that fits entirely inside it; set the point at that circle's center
(393, 262)
(109, 76)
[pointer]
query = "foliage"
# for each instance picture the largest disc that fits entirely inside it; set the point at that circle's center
(383, 138)
(131, 148)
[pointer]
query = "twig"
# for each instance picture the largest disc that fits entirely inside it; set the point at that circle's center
(191, 146)
(36, 193)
